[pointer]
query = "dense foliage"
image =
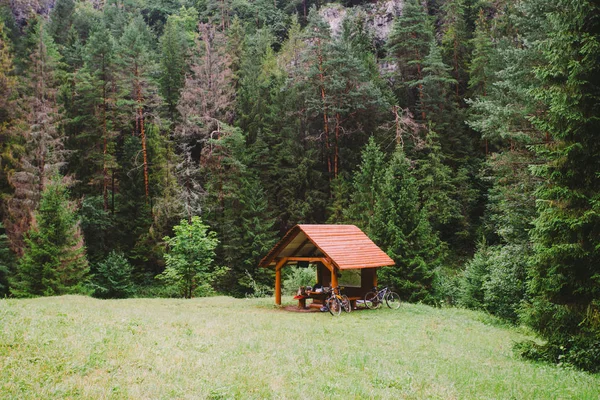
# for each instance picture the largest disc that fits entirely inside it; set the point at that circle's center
(459, 134)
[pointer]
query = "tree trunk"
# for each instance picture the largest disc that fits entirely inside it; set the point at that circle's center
(324, 100)
(140, 118)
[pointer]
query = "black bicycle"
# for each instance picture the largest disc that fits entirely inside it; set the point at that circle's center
(374, 299)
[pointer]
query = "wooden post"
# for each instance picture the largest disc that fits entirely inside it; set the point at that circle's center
(278, 267)
(334, 280)
(374, 277)
(333, 269)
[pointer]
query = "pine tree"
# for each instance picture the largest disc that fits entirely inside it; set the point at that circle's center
(173, 46)
(401, 228)
(113, 277)
(434, 86)
(408, 45)
(136, 63)
(480, 70)
(54, 260)
(367, 184)
(61, 19)
(44, 150)
(10, 145)
(564, 289)
(340, 91)
(100, 62)
(207, 96)
(455, 43)
(437, 190)
(7, 262)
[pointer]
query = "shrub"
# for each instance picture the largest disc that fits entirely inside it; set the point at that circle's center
(504, 287)
(474, 276)
(189, 257)
(494, 280)
(298, 277)
(113, 277)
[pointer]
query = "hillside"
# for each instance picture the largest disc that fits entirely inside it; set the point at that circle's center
(220, 347)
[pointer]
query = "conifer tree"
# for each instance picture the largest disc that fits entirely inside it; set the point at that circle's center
(434, 86)
(61, 18)
(44, 149)
(7, 262)
(564, 289)
(401, 228)
(9, 139)
(408, 45)
(480, 68)
(54, 260)
(100, 61)
(136, 62)
(174, 46)
(367, 185)
(455, 42)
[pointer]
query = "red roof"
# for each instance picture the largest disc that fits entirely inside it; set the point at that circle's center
(346, 246)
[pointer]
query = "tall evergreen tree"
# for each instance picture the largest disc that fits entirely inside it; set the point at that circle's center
(455, 43)
(175, 42)
(408, 45)
(136, 64)
(7, 262)
(401, 228)
(9, 139)
(54, 260)
(564, 286)
(367, 184)
(40, 115)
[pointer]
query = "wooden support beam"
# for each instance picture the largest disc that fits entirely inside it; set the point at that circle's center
(278, 267)
(334, 271)
(309, 259)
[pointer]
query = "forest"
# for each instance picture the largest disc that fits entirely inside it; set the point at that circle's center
(160, 148)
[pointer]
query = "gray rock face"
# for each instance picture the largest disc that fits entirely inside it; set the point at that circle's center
(380, 17)
(22, 9)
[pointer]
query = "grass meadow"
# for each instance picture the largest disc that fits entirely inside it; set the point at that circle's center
(225, 348)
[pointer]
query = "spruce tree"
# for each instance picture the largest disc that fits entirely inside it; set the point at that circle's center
(455, 43)
(7, 263)
(54, 260)
(173, 47)
(401, 228)
(367, 185)
(39, 116)
(564, 279)
(408, 45)
(113, 279)
(10, 145)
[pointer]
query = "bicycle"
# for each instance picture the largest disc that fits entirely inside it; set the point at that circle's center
(374, 298)
(337, 302)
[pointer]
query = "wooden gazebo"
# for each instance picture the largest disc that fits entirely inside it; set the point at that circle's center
(338, 251)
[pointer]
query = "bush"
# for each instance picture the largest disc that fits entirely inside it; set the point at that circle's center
(494, 280)
(447, 286)
(189, 257)
(113, 277)
(504, 287)
(474, 276)
(298, 277)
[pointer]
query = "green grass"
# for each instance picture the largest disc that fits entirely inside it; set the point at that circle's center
(78, 347)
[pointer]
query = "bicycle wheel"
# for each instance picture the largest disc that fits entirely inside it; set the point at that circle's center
(372, 301)
(392, 299)
(335, 307)
(346, 305)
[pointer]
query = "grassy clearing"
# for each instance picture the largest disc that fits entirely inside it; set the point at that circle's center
(78, 347)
